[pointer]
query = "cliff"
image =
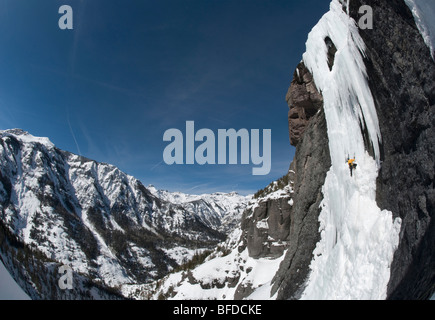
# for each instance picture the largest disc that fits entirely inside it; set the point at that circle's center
(400, 75)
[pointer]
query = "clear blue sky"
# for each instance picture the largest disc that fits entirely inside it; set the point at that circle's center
(9, 289)
(129, 70)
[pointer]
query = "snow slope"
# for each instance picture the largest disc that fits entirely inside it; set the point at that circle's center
(358, 240)
(229, 272)
(222, 274)
(424, 15)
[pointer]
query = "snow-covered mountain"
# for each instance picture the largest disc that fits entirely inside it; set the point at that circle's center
(219, 211)
(319, 232)
(241, 267)
(101, 222)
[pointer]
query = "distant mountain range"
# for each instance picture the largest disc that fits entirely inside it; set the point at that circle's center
(100, 221)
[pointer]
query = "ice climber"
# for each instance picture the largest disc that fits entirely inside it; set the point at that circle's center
(352, 165)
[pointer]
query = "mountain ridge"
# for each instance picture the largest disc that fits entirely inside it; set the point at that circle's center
(102, 222)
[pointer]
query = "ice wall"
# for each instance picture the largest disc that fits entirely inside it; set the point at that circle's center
(352, 260)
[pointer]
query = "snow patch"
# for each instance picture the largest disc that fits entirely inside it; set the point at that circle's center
(26, 137)
(262, 224)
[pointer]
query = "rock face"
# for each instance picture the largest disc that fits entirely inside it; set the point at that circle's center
(292, 219)
(286, 220)
(311, 163)
(308, 132)
(303, 100)
(401, 77)
(267, 227)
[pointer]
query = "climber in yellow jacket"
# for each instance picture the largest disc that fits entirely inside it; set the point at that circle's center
(352, 165)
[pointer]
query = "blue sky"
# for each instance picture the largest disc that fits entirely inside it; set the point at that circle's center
(130, 70)
(9, 289)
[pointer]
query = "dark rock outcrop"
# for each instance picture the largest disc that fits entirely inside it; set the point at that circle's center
(267, 227)
(275, 225)
(311, 163)
(293, 220)
(304, 101)
(401, 77)
(332, 50)
(295, 225)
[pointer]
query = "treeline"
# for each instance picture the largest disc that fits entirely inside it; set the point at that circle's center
(197, 259)
(272, 187)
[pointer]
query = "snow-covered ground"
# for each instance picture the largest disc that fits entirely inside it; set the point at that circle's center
(358, 240)
(256, 273)
(277, 194)
(181, 254)
(218, 277)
